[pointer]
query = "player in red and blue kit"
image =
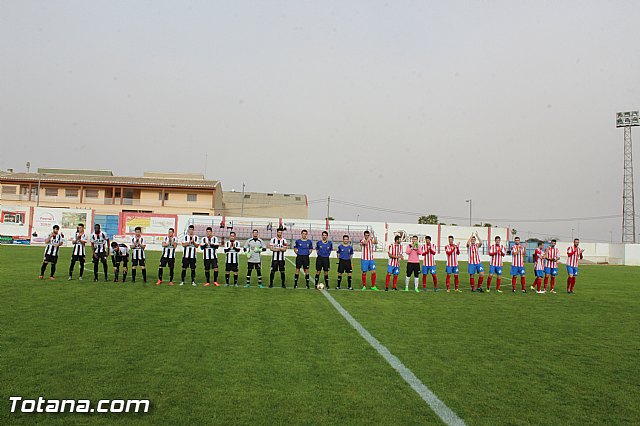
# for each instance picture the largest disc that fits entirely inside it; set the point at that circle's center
(551, 255)
(393, 268)
(428, 251)
(368, 263)
(497, 252)
(517, 265)
(324, 249)
(574, 254)
(538, 267)
(453, 251)
(475, 265)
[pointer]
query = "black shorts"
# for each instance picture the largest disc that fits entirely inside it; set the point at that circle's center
(277, 265)
(164, 261)
(117, 260)
(344, 265)
(231, 267)
(136, 262)
(77, 258)
(322, 263)
(302, 261)
(189, 262)
(211, 263)
(99, 257)
(51, 259)
(252, 266)
(413, 268)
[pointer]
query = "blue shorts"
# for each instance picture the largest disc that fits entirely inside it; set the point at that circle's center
(571, 270)
(368, 265)
(495, 270)
(517, 270)
(428, 270)
(539, 273)
(475, 268)
(393, 270)
(551, 271)
(452, 270)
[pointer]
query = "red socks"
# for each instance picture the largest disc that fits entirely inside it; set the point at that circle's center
(386, 281)
(553, 283)
(513, 283)
(424, 281)
(498, 281)
(448, 280)
(364, 280)
(473, 282)
(480, 281)
(456, 280)
(373, 279)
(546, 281)
(488, 282)
(395, 281)
(538, 283)
(435, 281)
(523, 283)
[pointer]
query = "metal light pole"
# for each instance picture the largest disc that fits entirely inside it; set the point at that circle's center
(242, 208)
(470, 202)
(627, 120)
(38, 196)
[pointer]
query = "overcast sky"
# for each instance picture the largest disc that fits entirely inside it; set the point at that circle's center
(412, 106)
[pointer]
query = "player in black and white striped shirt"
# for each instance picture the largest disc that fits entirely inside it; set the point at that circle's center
(278, 246)
(168, 257)
(79, 241)
(190, 242)
(119, 256)
(54, 241)
(209, 244)
(231, 248)
(100, 246)
(137, 247)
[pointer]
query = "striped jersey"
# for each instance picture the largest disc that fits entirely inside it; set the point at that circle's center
(137, 252)
(278, 244)
(574, 255)
(169, 251)
(232, 248)
(517, 256)
(190, 250)
(452, 251)
(367, 249)
(497, 252)
(99, 242)
(551, 254)
(79, 241)
(394, 250)
(537, 258)
(53, 245)
(474, 254)
(210, 245)
(428, 252)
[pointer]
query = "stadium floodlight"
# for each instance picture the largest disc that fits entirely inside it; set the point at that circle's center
(628, 119)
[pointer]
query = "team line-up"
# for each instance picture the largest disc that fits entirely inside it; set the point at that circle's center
(545, 260)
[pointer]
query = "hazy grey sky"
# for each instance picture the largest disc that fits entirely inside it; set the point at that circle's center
(407, 105)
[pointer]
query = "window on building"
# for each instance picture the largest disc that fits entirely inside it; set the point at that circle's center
(166, 196)
(71, 192)
(199, 214)
(298, 199)
(192, 197)
(269, 195)
(51, 192)
(91, 193)
(247, 196)
(9, 189)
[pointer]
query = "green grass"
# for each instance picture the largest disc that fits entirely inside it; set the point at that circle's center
(236, 355)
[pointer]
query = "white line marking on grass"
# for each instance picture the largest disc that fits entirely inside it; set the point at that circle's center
(439, 407)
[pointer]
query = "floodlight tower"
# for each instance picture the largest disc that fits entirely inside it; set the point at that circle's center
(627, 120)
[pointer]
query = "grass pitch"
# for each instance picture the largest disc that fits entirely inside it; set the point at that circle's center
(236, 355)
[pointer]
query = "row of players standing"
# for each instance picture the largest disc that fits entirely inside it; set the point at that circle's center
(546, 261)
